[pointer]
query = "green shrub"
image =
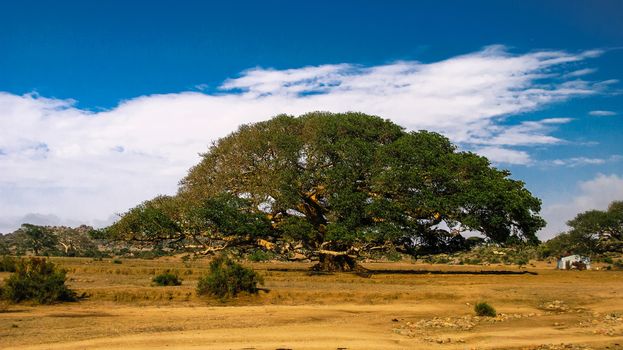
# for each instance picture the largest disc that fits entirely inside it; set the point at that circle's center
(37, 280)
(227, 278)
(260, 255)
(393, 255)
(150, 254)
(618, 264)
(167, 279)
(116, 261)
(8, 264)
(484, 309)
(474, 261)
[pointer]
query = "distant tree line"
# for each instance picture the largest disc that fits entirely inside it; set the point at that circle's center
(51, 241)
(591, 232)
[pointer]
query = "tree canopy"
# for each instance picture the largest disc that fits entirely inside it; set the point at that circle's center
(337, 182)
(50, 240)
(592, 232)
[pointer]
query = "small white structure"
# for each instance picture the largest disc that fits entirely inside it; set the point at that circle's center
(574, 262)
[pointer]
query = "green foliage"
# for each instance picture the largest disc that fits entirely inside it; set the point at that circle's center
(149, 254)
(294, 228)
(228, 214)
(592, 232)
(352, 178)
(4, 246)
(521, 261)
(170, 220)
(494, 254)
(50, 241)
(75, 241)
(393, 255)
(167, 279)
(38, 239)
(227, 278)
(117, 261)
(437, 259)
(473, 261)
(261, 255)
(484, 309)
(605, 225)
(37, 280)
(8, 264)
(567, 243)
(154, 219)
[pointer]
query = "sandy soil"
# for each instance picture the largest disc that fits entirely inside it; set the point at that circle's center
(581, 310)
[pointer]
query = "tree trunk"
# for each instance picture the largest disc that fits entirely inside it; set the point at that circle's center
(335, 263)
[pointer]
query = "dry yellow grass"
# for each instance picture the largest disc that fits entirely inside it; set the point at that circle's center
(385, 311)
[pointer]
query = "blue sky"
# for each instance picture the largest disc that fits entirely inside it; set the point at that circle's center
(106, 103)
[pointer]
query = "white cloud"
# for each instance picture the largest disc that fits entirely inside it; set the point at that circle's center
(505, 155)
(529, 133)
(57, 159)
(602, 113)
(580, 72)
(581, 161)
(593, 194)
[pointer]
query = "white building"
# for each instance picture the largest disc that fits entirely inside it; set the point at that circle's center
(574, 262)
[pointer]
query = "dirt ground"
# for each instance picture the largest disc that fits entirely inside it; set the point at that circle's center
(409, 306)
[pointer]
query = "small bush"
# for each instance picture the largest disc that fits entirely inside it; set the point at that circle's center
(260, 255)
(8, 264)
(227, 279)
(37, 280)
(484, 309)
(150, 254)
(521, 261)
(474, 261)
(116, 261)
(393, 255)
(167, 279)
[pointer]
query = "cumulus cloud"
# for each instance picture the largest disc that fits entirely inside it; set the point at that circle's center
(596, 193)
(80, 165)
(602, 113)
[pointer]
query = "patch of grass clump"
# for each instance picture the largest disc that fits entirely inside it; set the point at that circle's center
(167, 279)
(393, 255)
(484, 309)
(117, 261)
(260, 255)
(37, 280)
(8, 264)
(227, 278)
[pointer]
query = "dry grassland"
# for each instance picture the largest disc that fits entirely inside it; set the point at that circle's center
(393, 310)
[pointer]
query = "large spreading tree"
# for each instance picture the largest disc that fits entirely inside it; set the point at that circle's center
(334, 185)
